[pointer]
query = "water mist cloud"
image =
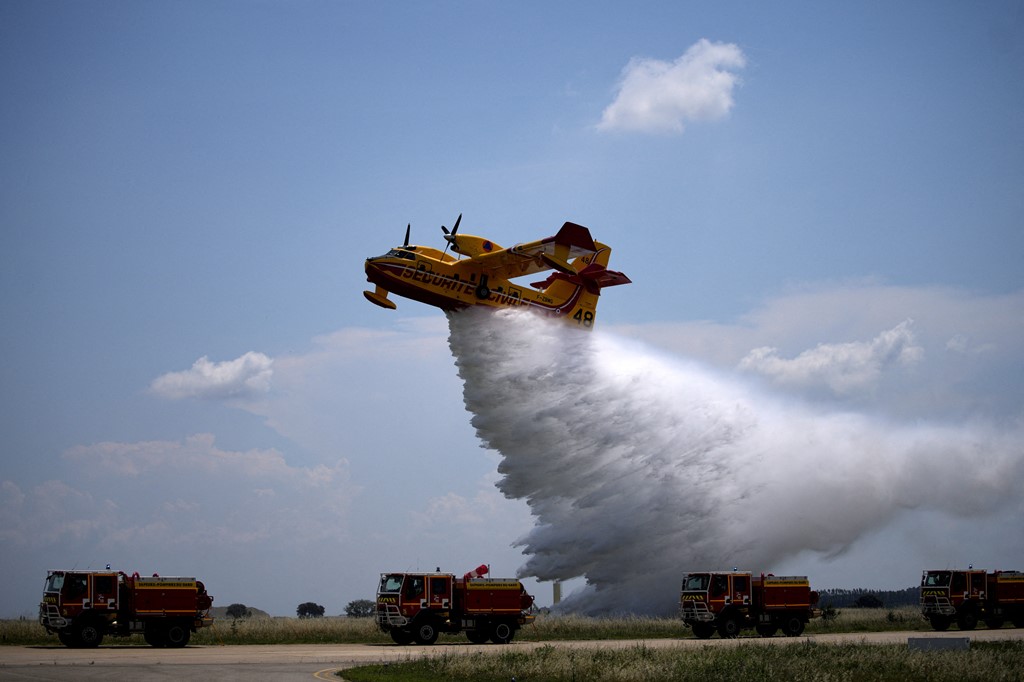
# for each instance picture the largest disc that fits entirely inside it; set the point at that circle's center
(638, 467)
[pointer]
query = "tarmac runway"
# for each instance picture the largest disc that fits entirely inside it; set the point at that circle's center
(305, 662)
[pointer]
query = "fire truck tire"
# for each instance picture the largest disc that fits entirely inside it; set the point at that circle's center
(729, 628)
(177, 635)
(939, 623)
(502, 632)
(154, 635)
(426, 632)
(994, 622)
(66, 638)
(766, 629)
(1018, 622)
(968, 620)
(703, 630)
(401, 637)
(792, 626)
(88, 634)
(477, 636)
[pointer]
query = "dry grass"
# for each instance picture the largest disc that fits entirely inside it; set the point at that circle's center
(984, 662)
(258, 630)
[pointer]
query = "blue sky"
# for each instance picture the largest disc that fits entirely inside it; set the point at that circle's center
(821, 199)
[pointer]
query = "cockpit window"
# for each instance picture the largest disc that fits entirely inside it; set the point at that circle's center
(400, 253)
(390, 583)
(54, 582)
(696, 583)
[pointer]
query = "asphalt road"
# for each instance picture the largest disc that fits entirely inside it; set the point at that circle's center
(306, 662)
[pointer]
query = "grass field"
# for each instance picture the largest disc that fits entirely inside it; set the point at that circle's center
(547, 628)
(984, 662)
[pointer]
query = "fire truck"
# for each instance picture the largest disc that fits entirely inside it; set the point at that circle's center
(730, 601)
(966, 597)
(419, 606)
(81, 607)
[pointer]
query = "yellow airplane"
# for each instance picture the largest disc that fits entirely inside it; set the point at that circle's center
(483, 276)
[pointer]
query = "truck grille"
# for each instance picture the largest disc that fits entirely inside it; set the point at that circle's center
(388, 615)
(695, 610)
(937, 605)
(49, 617)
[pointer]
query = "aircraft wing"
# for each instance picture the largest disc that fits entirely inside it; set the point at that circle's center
(572, 241)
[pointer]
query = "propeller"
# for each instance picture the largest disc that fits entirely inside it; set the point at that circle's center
(407, 228)
(450, 236)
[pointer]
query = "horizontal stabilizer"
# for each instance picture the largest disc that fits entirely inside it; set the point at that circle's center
(604, 277)
(594, 277)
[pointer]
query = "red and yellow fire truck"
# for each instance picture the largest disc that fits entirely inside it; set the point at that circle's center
(734, 600)
(83, 606)
(419, 606)
(966, 597)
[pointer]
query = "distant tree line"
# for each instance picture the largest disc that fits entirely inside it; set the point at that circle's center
(357, 608)
(863, 598)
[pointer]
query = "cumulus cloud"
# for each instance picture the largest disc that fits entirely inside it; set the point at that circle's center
(843, 368)
(662, 97)
(962, 350)
(137, 498)
(245, 376)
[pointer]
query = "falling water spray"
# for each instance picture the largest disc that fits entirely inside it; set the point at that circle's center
(639, 467)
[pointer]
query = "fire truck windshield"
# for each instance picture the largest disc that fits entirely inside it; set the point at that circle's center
(697, 582)
(936, 579)
(390, 583)
(54, 582)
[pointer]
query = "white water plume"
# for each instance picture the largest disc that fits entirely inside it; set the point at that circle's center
(639, 467)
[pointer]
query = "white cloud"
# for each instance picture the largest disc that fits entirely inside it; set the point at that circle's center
(176, 502)
(661, 97)
(843, 368)
(962, 357)
(244, 376)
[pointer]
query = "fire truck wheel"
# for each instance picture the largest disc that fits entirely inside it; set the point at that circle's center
(994, 622)
(401, 637)
(177, 635)
(476, 636)
(766, 629)
(66, 638)
(939, 623)
(792, 626)
(154, 635)
(729, 628)
(1018, 622)
(88, 634)
(703, 630)
(968, 620)
(502, 632)
(426, 632)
